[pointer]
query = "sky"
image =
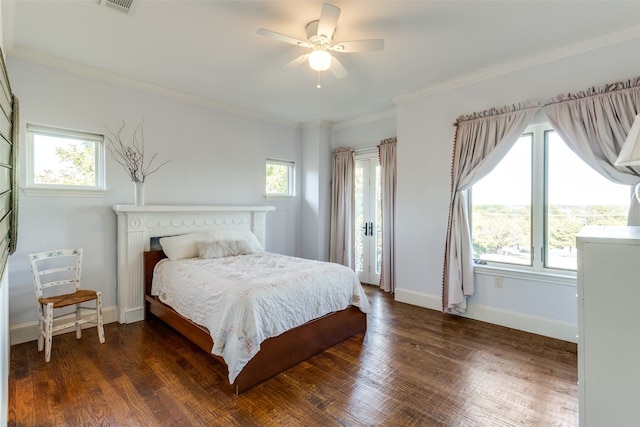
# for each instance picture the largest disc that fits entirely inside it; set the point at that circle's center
(571, 181)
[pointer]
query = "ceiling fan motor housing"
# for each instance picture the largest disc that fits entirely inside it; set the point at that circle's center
(314, 37)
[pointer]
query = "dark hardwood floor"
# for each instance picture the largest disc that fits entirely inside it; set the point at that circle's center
(414, 367)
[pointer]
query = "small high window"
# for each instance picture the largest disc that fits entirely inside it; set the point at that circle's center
(280, 178)
(60, 159)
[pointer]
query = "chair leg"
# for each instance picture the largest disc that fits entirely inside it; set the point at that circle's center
(49, 332)
(99, 313)
(41, 328)
(78, 326)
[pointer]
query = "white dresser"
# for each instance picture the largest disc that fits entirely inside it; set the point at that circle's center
(609, 326)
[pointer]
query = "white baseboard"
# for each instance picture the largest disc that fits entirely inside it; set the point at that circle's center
(418, 298)
(525, 322)
(510, 319)
(29, 331)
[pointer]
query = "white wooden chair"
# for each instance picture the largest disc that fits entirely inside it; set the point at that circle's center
(56, 277)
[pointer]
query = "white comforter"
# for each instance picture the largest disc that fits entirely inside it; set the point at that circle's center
(243, 300)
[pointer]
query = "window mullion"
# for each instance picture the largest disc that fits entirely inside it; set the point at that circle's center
(538, 198)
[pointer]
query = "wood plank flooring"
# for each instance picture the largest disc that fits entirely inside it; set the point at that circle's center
(414, 367)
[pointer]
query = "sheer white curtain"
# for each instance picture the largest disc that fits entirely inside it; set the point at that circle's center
(481, 141)
(342, 250)
(594, 124)
(388, 168)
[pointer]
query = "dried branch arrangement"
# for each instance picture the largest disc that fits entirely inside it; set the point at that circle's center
(131, 157)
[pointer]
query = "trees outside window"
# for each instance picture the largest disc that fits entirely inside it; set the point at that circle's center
(64, 159)
(280, 176)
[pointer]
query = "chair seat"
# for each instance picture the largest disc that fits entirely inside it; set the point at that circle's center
(81, 295)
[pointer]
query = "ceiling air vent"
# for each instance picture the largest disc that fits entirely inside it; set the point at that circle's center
(121, 5)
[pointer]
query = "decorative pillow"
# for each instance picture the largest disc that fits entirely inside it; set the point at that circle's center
(244, 235)
(224, 248)
(183, 246)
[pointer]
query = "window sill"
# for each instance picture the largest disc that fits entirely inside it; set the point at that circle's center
(566, 279)
(63, 192)
(270, 198)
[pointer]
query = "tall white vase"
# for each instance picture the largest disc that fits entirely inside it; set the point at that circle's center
(138, 188)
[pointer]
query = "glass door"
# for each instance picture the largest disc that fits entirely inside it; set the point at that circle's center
(368, 224)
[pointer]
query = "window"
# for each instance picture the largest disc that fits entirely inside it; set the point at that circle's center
(528, 210)
(59, 159)
(280, 178)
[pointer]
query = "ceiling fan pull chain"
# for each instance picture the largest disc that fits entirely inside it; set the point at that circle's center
(318, 86)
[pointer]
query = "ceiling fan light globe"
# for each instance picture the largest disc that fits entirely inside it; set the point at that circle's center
(320, 60)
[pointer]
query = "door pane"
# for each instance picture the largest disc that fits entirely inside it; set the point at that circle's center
(359, 216)
(378, 223)
(368, 225)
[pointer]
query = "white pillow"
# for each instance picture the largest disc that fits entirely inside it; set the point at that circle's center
(224, 248)
(245, 235)
(183, 246)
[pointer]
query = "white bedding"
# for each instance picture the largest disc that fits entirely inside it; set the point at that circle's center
(243, 300)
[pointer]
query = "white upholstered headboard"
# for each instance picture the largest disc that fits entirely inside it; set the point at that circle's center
(138, 224)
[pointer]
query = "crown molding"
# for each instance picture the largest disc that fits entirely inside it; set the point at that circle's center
(381, 115)
(317, 124)
(76, 68)
(508, 67)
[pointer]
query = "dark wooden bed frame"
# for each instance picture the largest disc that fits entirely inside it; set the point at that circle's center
(276, 354)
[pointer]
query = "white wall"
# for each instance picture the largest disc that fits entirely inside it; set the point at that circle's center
(4, 347)
(4, 25)
(365, 133)
(425, 140)
(316, 196)
(215, 158)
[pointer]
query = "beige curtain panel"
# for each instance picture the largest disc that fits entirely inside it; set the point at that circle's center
(481, 141)
(388, 172)
(341, 249)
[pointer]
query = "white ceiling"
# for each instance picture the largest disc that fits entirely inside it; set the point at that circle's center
(209, 52)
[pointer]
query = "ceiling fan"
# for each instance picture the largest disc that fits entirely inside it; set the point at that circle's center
(320, 41)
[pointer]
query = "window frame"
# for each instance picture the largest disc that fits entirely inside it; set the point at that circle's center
(33, 188)
(291, 178)
(537, 271)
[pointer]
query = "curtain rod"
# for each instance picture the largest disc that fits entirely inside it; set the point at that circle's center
(368, 150)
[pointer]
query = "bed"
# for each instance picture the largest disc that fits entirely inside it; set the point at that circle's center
(273, 354)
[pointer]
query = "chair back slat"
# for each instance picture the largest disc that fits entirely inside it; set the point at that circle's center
(56, 268)
(59, 283)
(54, 254)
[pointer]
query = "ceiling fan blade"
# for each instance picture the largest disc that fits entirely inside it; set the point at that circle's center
(298, 61)
(338, 69)
(328, 20)
(282, 37)
(371, 45)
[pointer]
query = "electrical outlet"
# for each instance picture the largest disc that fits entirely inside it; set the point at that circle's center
(498, 281)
